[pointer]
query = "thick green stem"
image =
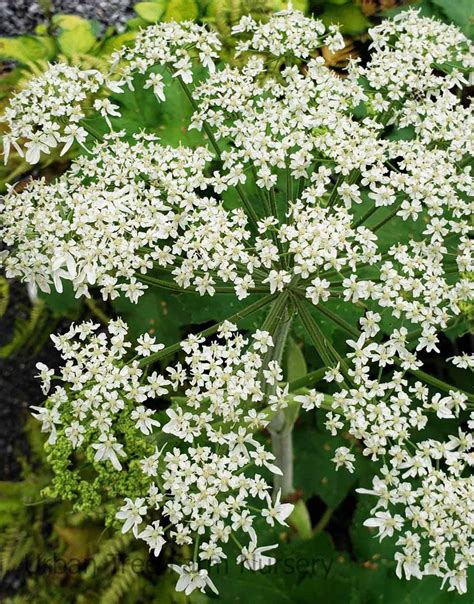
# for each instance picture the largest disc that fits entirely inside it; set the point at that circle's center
(282, 447)
(281, 426)
(325, 349)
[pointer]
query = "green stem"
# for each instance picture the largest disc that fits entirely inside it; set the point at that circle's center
(384, 221)
(245, 312)
(91, 131)
(281, 426)
(307, 380)
(324, 348)
(315, 334)
(276, 312)
(96, 310)
(275, 236)
(337, 319)
(437, 383)
(323, 521)
(247, 205)
(365, 216)
(333, 196)
(170, 285)
(425, 377)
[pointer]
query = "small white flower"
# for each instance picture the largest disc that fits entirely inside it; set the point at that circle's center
(45, 375)
(144, 421)
(386, 523)
(132, 512)
(109, 449)
(191, 577)
(311, 400)
(278, 511)
(254, 558)
(153, 536)
(147, 344)
(343, 457)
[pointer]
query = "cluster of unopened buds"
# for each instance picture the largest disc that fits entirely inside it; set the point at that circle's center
(320, 165)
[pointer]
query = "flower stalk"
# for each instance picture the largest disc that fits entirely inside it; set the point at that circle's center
(281, 426)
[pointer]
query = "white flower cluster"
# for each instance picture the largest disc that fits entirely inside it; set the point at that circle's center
(203, 484)
(99, 224)
(320, 166)
(434, 510)
(100, 389)
(170, 45)
(301, 125)
(287, 34)
(285, 124)
(48, 112)
(383, 411)
(426, 495)
(411, 56)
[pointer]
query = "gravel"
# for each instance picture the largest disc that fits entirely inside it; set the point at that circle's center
(22, 16)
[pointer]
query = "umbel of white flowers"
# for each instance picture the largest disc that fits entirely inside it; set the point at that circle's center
(200, 489)
(325, 179)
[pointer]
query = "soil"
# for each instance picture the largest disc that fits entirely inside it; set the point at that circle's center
(18, 386)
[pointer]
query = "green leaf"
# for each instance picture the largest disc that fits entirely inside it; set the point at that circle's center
(181, 10)
(76, 35)
(136, 23)
(365, 545)
(402, 134)
(156, 312)
(150, 11)
(460, 12)
(25, 49)
(115, 42)
(349, 17)
(295, 362)
(41, 29)
(303, 569)
(140, 109)
(315, 473)
(396, 230)
(199, 310)
(63, 304)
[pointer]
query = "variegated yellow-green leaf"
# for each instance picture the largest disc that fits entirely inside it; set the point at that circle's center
(76, 35)
(150, 11)
(181, 10)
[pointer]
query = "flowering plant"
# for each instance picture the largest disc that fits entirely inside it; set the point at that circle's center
(286, 206)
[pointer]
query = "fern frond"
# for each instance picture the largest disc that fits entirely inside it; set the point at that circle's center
(25, 331)
(16, 546)
(86, 61)
(108, 551)
(125, 580)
